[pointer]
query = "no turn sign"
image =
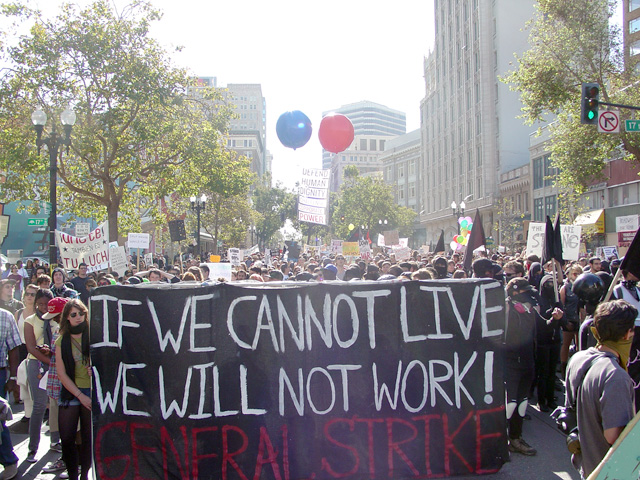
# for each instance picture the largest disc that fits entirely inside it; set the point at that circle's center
(609, 121)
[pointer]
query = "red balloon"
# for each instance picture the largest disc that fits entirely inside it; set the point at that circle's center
(335, 133)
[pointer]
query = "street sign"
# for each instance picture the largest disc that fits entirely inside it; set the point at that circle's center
(45, 208)
(632, 125)
(36, 222)
(609, 121)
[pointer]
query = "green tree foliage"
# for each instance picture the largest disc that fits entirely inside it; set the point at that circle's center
(573, 43)
(272, 206)
(139, 134)
(366, 201)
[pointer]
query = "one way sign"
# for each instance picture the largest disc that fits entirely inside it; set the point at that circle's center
(609, 121)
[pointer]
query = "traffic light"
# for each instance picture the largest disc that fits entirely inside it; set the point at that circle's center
(589, 103)
(342, 218)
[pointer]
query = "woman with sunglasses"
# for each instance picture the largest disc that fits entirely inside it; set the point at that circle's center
(74, 372)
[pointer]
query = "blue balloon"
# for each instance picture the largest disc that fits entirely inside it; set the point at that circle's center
(293, 129)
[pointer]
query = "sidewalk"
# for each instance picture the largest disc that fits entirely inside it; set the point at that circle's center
(20, 438)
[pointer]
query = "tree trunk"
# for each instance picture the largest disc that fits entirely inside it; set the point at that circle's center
(112, 217)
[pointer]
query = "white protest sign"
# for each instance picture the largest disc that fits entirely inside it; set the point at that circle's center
(404, 242)
(609, 252)
(336, 246)
(252, 250)
(118, 260)
(365, 249)
(114, 244)
(380, 240)
(217, 270)
(627, 223)
(535, 239)
(138, 240)
(570, 241)
(92, 249)
(267, 256)
(235, 256)
(402, 253)
(391, 238)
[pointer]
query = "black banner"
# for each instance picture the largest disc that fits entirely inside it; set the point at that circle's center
(298, 381)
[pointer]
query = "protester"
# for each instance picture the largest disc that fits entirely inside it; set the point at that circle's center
(38, 335)
(599, 386)
(7, 300)
(59, 287)
(80, 282)
(74, 371)
(9, 343)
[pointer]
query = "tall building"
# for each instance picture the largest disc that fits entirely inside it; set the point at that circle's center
(249, 130)
(369, 118)
(631, 32)
(470, 130)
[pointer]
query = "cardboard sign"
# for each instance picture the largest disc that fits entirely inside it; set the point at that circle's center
(365, 249)
(118, 260)
(214, 258)
(261, 381)
(235, 256)
(391, 238)
(218, 270)
(351, 248)
(336, 247)
(571, 235)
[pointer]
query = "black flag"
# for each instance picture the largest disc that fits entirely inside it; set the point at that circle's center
(477, 239)
(440, 244)
(631, 261)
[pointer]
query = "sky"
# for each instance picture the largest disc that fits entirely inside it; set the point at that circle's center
(312, 56)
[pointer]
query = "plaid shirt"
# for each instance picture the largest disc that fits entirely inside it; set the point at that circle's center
(9, 336)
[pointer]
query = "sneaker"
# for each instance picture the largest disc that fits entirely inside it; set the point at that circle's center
(56, 466)
(56, 447)
(64, 475)
(518, 445)
(9, 472)
(31, 458)
(24, 420)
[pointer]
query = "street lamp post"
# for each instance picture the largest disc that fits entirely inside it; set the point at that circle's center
(53, 142)
(198, 205)
(458, 211)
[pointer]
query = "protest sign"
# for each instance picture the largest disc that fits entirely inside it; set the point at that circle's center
(219, 270)
(391, 238)
(365, 249)
(380, 241)
(570, 234)
(235, 256)
(82, 229)
(351, 248)
(92, 249)
(352, 380)
(336, 247)
(402, 253)
(118, 260)
(138, 240)
(313, 195)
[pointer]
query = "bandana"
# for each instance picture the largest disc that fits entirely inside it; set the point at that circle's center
(631, 286)
(621, 347)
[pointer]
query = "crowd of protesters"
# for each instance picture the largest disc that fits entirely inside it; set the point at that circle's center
(49, 328)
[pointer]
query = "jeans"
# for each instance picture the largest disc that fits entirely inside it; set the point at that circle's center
(7, 456)
(39, 404)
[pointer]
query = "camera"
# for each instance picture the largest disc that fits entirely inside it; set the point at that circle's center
(573, 441)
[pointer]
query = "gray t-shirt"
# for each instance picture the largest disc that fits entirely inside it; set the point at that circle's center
(606, 400)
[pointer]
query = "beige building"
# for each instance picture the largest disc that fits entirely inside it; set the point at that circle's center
(363, 153)
(469, 125)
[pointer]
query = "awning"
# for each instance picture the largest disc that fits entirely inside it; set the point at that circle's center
(593, 218)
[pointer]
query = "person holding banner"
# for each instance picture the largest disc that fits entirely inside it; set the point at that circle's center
(74, 371)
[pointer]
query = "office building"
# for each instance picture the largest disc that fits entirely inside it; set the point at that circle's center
(471, 132)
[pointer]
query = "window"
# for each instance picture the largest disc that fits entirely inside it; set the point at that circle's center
(549, 171)
(538, 209)
(372, 145)
(401, 171)
(412, 167)
(538, 173)
(363, 144)
(469, 159)
(412, 190)
(634, 48)
(550, 206)
(624, 195)
(381, 144)
(526, 201)
(479, 156)
(634, 5)
(389, 173)
(479, 188)
(634, 25)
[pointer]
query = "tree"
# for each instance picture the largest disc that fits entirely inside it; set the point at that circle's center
(367, 201)
(273, 205)
(573, 43)
(139, 135)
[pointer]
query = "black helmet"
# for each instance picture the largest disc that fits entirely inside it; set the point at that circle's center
(589, 288)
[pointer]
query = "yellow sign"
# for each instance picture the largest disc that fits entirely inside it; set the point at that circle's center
(593, 218)
(350, 248)
(214, 258)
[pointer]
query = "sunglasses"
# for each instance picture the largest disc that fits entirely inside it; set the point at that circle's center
(76, 314)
